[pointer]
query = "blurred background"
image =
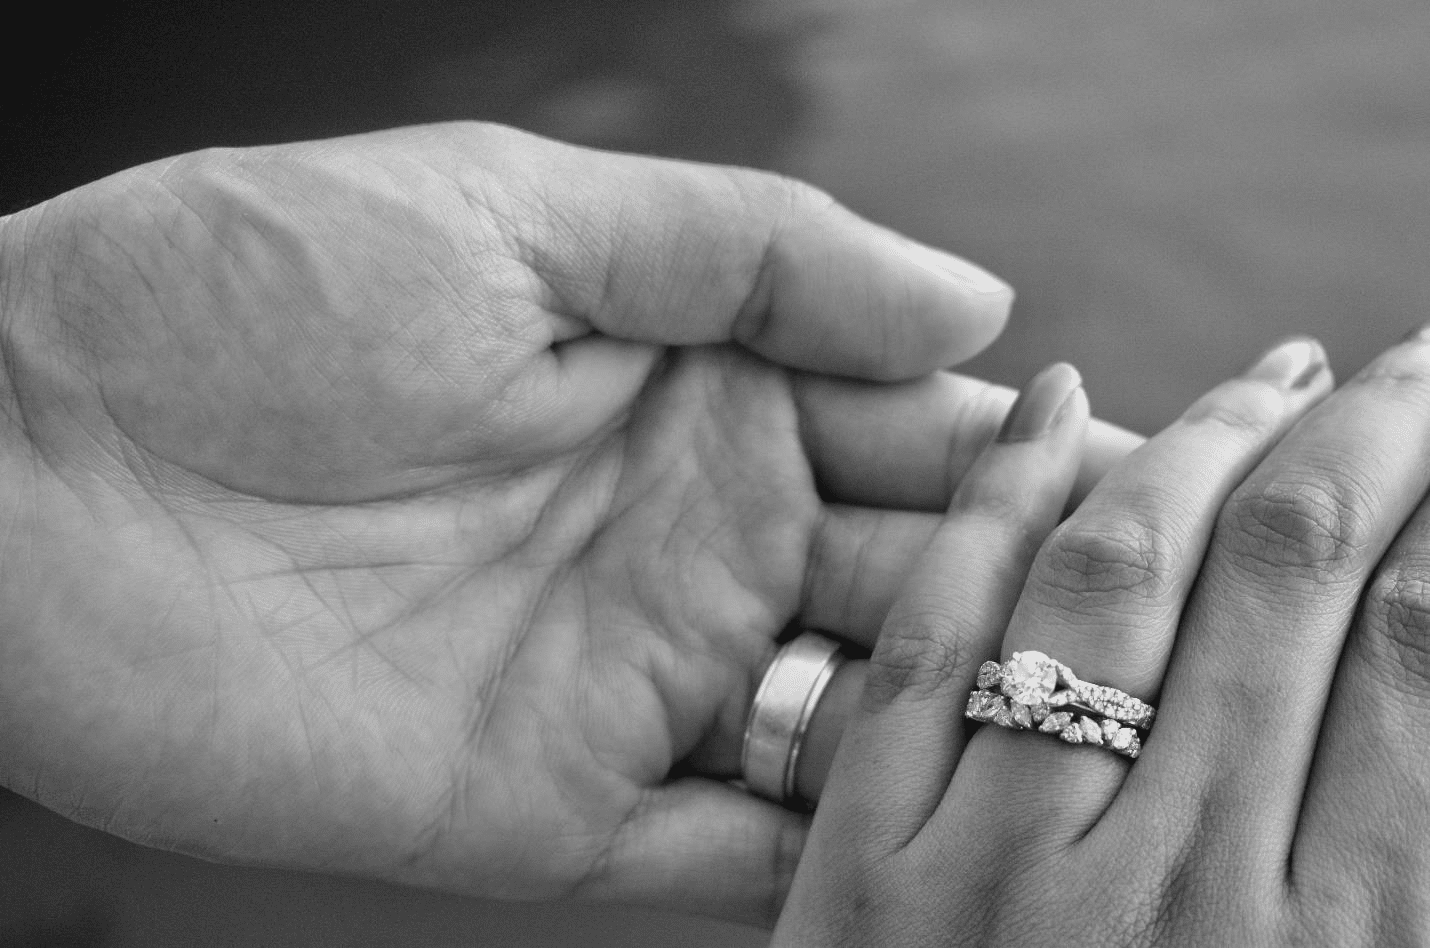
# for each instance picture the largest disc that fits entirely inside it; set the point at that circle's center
(1170, 184)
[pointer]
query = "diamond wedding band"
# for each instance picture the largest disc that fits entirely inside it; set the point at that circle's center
(1034, 692)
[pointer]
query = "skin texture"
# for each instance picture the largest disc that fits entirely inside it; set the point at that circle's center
(425, 505)
(1259, 569)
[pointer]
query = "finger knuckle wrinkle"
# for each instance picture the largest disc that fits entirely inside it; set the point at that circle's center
(1244, 408)
(1398, 605)
(1302, 527)
(784, 199)
(1397, 379)
(797, 197)
(917, 656)
(1130, 560)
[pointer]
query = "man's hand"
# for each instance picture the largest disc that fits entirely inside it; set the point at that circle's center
(411, 505)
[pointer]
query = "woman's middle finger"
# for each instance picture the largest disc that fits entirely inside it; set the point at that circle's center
(1294, 548)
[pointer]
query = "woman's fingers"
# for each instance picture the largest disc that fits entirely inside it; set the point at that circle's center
(905, 738)
(1294, 548)
(906, 446)
(1366, 810)
(1106, 593)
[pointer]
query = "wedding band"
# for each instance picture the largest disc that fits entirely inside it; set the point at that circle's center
(1034, 692)
(991, 707)
(783, 706)
(1032, 678)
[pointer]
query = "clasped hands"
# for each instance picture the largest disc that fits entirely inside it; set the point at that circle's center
(425, 505)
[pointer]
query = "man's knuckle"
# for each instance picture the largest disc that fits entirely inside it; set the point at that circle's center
(791, 196)
(1311, 527)
(785, 201)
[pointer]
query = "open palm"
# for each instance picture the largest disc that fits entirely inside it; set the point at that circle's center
(425, 505)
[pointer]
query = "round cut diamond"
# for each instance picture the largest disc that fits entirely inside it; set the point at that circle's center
(1030, 677)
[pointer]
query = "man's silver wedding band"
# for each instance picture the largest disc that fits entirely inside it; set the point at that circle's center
(780, 714)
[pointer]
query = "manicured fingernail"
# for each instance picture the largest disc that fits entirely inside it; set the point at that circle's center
(965, 274)
(1041, 403)
(1293, 363)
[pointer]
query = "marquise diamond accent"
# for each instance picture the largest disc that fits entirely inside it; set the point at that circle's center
(984, 705)
(1055, 722)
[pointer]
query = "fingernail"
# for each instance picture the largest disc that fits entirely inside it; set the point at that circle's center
(1041, 403)
(1418, 334)
(1292, 364)
(1309, 375)
(973, 278)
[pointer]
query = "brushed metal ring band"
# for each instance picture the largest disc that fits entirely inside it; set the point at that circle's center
(780, 714)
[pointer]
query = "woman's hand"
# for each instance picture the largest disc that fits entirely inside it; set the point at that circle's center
(1283, 794)
(409, 505)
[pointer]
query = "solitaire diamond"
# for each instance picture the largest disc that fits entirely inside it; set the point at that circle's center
(1030, 677)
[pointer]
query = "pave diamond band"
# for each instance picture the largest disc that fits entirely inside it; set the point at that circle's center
(780, 714)
(1034, 692)
(1033, 678)
(993, 708)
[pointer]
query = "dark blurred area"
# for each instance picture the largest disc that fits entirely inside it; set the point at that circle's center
(1170, 185)
(133, 82)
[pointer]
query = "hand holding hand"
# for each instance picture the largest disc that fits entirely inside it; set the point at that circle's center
(410, 505)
